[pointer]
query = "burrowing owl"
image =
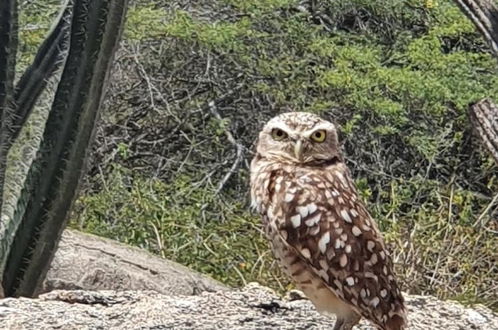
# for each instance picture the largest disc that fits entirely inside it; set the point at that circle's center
(320, 231)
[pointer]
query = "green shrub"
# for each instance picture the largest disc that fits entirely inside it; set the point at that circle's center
(180, 222)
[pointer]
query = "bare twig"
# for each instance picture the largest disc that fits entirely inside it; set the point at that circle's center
(486, 210)
(159, 240)
(239, 147)
(153, 90)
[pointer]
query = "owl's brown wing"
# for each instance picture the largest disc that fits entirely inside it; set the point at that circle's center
(323, 220)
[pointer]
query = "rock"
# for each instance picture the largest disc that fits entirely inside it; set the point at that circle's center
(103, 264)
(254, 307)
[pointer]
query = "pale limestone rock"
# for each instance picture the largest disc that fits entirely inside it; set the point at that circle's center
(254, 307)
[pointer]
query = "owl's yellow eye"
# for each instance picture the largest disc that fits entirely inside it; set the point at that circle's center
(319, 136)
(278, 134)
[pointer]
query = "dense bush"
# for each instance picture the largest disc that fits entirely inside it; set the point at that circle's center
(396, 76)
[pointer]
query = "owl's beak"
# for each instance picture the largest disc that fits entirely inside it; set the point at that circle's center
(298, 150)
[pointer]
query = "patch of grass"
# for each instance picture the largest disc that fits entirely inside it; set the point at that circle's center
(180, 222)
(145, 22)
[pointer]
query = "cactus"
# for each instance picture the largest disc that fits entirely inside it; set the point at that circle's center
(8, 47)
(69, 74)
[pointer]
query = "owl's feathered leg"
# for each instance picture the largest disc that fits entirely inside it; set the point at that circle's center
(347, 322)
(338, 324)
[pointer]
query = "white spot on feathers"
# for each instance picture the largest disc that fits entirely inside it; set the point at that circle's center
(296, 220)
(289, 197)
(337, 244)
(323, 241)
(312, 208)
(306, 253)
(303, 210)
(373, 259)
(342, 178)
(345, 216)
(313, 220)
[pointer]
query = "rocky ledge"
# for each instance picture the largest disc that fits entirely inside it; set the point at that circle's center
(96, 283)
(254, 307)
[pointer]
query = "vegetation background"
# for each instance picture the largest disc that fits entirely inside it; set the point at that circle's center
(169, 171)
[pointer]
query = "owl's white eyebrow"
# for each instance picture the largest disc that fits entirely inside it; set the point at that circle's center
(281, 126)
(316, 128)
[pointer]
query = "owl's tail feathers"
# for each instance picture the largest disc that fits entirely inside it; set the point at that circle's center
(397, 322)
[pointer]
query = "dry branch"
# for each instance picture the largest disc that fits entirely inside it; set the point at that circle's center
(240, 148)
(484, 119)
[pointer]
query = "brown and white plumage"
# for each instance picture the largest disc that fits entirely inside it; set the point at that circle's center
(320, 231)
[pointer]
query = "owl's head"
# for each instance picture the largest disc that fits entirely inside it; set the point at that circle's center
(299, 137)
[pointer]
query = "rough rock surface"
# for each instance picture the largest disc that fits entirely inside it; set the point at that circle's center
(88, 262)
(254, 307)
